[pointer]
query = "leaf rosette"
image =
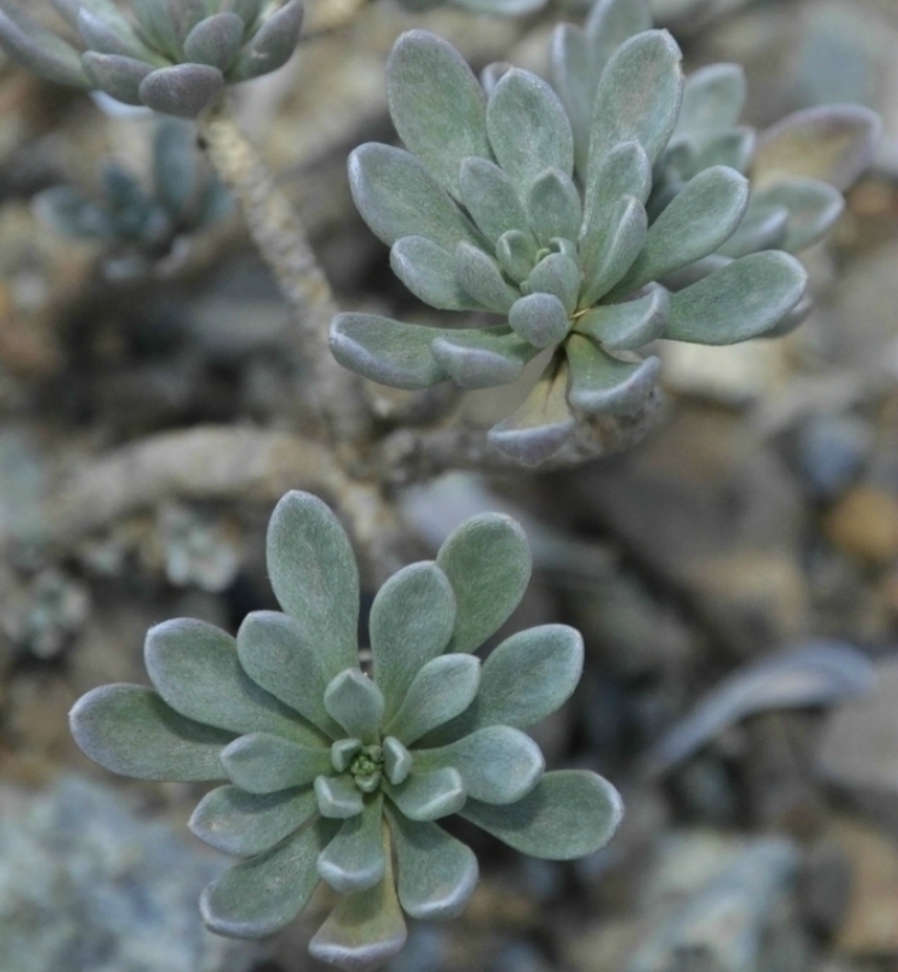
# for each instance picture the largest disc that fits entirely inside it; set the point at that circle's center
(339, 777)
(173, 56)
(592, 218)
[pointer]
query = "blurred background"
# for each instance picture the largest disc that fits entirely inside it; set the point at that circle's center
(735, 576)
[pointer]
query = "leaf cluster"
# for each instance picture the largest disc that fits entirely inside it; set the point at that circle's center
(339, 777)
(173, 56)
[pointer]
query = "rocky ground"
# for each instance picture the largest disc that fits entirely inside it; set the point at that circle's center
(735, 576)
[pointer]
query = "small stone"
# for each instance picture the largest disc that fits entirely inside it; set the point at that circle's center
(864, 525)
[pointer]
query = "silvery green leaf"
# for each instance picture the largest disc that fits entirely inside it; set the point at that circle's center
(38, 48)
(398, 197)
(568, 814)
(696, 223)
(441, 690)
(762, 228)
(120, 77)
(282, 656)
(364, 929)
(397, 760)
(437, 873)
(247, 10)
(503, 8)
(478, 275)
(575, 75)
(611, 22)
(69, 9)
(482, 357)
(497, 764)
(539, 428)
(603, 385)
(354, 860)
(356, 703)
(112, 37)
(216, 40)
(436, 104)
(174, 165)
(627, 326)
(540, 319)
(264, 763)
(620, 245)
(791, 319)
(528, 129)
(343, 752)
(490, 197)
(429, 795)
(314, 576)
(487, 560)
(262, 895)
(734, 148)
(385, 350)
(411, 622)
(713, 98)
(244, 824)
(694, 272)
(516, 253)
(553, 207)
(338, 797)
(833, 143)
(183, 90)
(272, 45)
(638, 98)
(558, 275)
(738, 302)
(191, 12)
(129, 730)
(158, 26)
(492, 74)
(429, 273)
(194, 668)
(813, 207)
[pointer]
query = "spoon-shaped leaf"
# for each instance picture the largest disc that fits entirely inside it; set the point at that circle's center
(429, 795)
(603, 385)
(338, 797)
(429, 273)
(713, 98)
(479, 275)
(120, 77)
(216, 40)
(625, 327)
(539, 319)
(813, 207)
(482, 357)
(354, 860)
(559, 275)
(606, 262)
(260, 762)
(491, 198)
(183, 89)
(38, 48)
(356, 703)
(762, 228)
(553, 207)
(272, 45)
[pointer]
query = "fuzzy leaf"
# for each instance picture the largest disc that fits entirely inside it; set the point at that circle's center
(528, 129)
(386, 351)
(482, 357)
(354, 860)
(39, 49)
(478, 275)
(364, 929)
(625, 327)
(713, 98)
(487, 560)
(247, 10)
(429, 273)
(833, 143)
(120, 77)
(604, 266)
(264, 763)
(516, 253)
(813, 207)
(558, 275)
(734, 148)
(158, 27)
(398, 197)
(762, 228)
(542, 424)
(437, 873)
(314, 577)
(441, 690)
(397, 759)
(244, 824)
(275, 651)
(183, 90)
(430, 795)
(698, 221)
(129, 730)
(216, 40)
(112, 36)
(553, 207)
(272, 45)
(338, 797)
(611, 22)
(738, 302)
(575, 77)
(262, 895)
(412, 619)
(540, 319)
(568, 814)
(491, 198)
(356, 703)
(436, 104)
(602, 385)
(638, 98)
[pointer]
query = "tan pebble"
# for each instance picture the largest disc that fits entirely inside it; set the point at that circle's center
(864, 525)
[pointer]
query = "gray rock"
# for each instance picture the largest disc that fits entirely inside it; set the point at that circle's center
(87, 886)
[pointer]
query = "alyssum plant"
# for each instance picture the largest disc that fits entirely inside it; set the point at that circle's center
(592, 220)
(339, 776)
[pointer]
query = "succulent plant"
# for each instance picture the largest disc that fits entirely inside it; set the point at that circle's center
(183, 197)
(593, 220)
(173, 56)
(338, 776)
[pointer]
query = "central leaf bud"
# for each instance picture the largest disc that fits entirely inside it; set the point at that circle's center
(366, 768)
